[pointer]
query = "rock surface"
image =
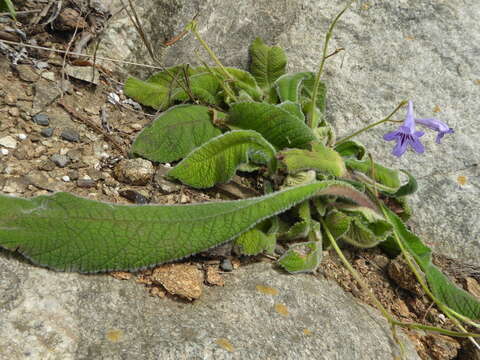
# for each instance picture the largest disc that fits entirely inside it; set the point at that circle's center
(419, 50)
(71, 316)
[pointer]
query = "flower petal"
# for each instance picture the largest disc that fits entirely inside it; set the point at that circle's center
(419, 134)
(400, 148)
(391, 135)
(417, 145)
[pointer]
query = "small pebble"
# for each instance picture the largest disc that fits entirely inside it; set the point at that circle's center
(8, 142)
(22, 136)
(134, 171)
(134, 196)
(4, 151)
(66, 178)
(47, 132)
(41, 119)
(60, 160)
(70, 135)
(226, 265)
(85, 183)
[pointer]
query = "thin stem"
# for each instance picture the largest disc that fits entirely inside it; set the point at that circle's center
(377, 303)
(193, 28)
(311, 121)
(373, 125)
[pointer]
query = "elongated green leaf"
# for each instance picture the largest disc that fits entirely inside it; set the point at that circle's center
(7, 5)
(302, 257)
(267, 63)
(156, 90)
(442, 287)
(69, 233)
(387, 179)
(217, 160)
(301, 228)
(278, 126)
(323, 159)
(175, 133)
(289, 86)
(243, 81)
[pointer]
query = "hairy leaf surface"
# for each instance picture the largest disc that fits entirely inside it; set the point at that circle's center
(69, 233)
(267, 63)
(175, 133)
(217, 160)
(277, 125)
(302, 257)
(442, 287)
(323, 159)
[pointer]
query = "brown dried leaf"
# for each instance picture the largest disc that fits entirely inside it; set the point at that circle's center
(213, 277)
(184, 280)
(121, 275)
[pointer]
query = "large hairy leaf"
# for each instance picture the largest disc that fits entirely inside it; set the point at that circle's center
(302, 257)
(277, 125)
(217, 160)
(267, 63)
(175, 133)
(442, 287)
(69, 233)
(156, 90)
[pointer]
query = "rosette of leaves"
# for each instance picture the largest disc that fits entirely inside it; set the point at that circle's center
(215, 121)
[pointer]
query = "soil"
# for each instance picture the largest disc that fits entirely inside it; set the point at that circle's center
(63, 130)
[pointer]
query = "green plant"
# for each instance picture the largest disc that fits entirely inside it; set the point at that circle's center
(7, 5)
(218, 120)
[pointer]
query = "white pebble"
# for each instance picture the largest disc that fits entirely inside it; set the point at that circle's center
(167, 165)
(66, 178)
(4, 151)
(22, 136)
(8, 142)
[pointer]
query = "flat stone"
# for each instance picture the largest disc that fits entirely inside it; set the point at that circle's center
(86, 183)
(70, 135)
(8, 142)
(60, 160)
(26, 73)
(92, 317)
(47, 132)
(84, 73)
(41, 119)
(45, 94)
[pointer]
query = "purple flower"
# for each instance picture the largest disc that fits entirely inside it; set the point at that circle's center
(406, 135)
(436, 125)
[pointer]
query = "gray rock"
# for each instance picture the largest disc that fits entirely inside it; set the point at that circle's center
(72, 316)
(85, 183)
(70, 135)
(84, 73)
(134, 171)
(60, 160)
(165, 185)
(226, 265)
(47, 132)
(41, 119)
(45, 94)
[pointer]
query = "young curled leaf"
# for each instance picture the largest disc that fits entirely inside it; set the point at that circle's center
(302, 257)
(217, 160)
(267, 63)
(323, 160)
